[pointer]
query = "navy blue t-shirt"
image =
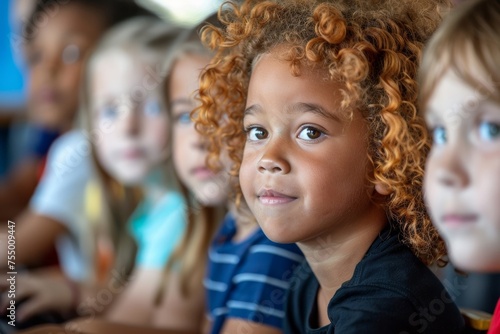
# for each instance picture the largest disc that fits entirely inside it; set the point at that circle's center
(391, 291)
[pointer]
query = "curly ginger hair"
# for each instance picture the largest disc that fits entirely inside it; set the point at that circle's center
(373, 48)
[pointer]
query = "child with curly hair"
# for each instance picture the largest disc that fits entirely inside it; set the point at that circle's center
(460, 98)
(247, 274)
(315, 104)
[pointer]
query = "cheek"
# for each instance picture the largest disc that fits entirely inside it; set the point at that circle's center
(70, 79)
(104, 153)
(488, 192)
(430, 186)
(181, 161)
(179, 144)
(157, 133)
(104, 147)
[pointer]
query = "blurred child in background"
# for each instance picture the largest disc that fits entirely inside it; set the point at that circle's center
(57, 49)
(142, 213)
(460, 95)
(205, 192)
(315, 101)
(143, 210)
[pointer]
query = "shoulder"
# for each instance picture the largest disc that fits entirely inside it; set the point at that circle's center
(172, 208)
(391, 265)
(375, 310)
(70, 155)
(392, 287)
(60, 193)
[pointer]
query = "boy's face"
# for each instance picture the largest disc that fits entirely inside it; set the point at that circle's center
(305, 163)
(56, 56)
(462, 179)
(128, 117)
(189, 150)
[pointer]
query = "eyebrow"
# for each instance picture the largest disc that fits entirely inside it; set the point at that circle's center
(315, 109)
(297, 108)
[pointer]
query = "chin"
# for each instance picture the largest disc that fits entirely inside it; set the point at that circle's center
(277, 235)
(475, 258)
(131, 180)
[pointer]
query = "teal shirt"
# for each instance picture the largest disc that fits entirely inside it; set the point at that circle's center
(157, 228)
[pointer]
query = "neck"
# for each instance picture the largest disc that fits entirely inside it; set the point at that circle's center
(333, 256)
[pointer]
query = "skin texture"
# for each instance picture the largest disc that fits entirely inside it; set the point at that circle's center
(462, 179)
(314, 159)
(188, 148)
(130, 118)
(302, 148)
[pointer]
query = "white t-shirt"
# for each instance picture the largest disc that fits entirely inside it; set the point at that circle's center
(60, 195)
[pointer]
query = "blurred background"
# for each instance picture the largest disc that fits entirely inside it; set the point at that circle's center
(14, 130)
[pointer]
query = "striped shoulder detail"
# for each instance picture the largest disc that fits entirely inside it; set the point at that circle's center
(277, 251)
(261, 279)
(219, 311)
(215, 286)
(223, 258)
(234, 304)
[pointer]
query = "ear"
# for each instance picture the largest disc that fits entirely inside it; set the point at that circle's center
(382, 189)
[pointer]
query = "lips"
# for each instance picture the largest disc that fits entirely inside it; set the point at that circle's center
(48, 96)
(133, 153)
(271, 197)
(202, 173)
(459, 219)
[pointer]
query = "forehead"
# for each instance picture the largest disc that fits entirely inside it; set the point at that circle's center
(119, 72)
(456, 102)
(65, 20)
(272, 78)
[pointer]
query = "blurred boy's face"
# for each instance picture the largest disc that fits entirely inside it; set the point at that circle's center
(304, 168)
(462, 178)
(128, 117)
(56, 56)
(189, 151)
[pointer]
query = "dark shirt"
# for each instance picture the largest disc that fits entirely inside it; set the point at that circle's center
(42, 140)
(391, 291)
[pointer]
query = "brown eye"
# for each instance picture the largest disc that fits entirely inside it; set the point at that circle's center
(256, 133)
(310, 133)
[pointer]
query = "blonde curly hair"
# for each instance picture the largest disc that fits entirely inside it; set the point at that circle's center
(373, 48)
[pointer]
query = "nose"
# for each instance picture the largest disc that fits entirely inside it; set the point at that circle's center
(51, 64)
(451, 169)
(131, 122)
(274, 159)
